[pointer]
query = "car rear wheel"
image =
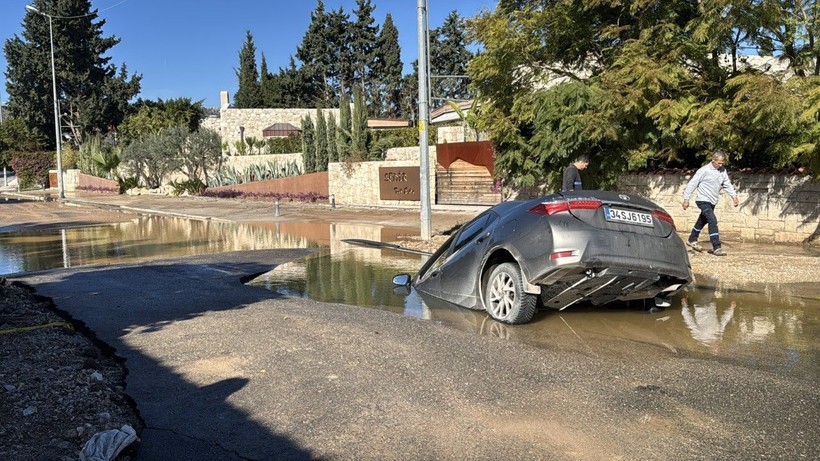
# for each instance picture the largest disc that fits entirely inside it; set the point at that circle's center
(504, 296)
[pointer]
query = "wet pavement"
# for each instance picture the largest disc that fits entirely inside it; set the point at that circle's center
(319, 379)
(772, 327)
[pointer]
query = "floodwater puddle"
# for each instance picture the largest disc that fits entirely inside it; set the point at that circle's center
(773, 327)
(143, 238)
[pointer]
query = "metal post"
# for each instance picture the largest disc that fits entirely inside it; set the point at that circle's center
(424, 120)
(57, 130)
(332, 200)
(276, 208)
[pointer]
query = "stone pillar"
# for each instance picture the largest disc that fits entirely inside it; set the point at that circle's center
(223, 100)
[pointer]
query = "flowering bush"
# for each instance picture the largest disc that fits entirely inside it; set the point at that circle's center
(292, 197)
(32, 168)
(99, 189)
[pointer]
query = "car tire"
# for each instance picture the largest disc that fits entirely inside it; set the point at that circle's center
(504, 296)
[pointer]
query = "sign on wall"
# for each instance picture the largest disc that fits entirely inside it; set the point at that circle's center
(399, 183)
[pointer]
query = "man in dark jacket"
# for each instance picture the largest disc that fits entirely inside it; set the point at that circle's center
(572, 175)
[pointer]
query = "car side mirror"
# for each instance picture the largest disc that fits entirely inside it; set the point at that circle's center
(402, 280)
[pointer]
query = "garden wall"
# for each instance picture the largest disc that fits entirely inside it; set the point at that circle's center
(773, 208)
(357, 184)
(241, 162)
(316, 183)
(85, 181)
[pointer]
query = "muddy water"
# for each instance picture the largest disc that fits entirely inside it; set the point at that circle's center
(771, 327)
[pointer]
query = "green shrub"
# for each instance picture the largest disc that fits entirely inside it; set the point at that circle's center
(191, 186)
(128, 183)
(382, 140)
(289, 145)
(70, 157)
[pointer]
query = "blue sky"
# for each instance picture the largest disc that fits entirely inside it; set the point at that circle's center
(190, 48)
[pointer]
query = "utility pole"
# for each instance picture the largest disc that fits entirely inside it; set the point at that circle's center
(424, 121)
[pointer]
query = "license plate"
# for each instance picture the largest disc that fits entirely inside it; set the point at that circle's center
(629, 217)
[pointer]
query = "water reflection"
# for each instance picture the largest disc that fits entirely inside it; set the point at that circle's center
(352, 275)
(145, 237)
(702, 319)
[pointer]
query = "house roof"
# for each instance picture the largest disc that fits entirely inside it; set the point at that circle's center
(280, 129)
(386, 123)
(446, 113)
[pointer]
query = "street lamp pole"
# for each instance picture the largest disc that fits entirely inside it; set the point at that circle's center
(424, 122)
(57, 131)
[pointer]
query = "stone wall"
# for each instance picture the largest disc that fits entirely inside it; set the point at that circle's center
(255, 121)
(241, 162)
(773, 208)
(358, 183)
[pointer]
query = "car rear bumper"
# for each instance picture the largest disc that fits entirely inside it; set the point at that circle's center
(622, 266)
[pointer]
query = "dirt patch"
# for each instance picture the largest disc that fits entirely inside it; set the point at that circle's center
(59, 387)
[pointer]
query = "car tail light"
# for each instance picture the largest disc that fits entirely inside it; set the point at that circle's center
(562, 254)
(550, 208)
(665, 217)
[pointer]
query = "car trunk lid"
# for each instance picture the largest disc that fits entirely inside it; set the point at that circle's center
(614, 211)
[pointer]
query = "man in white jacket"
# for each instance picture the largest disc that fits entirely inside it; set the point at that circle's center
(708, 181)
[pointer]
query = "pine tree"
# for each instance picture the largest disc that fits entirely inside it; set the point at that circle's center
(308, 145)
(315, 55)
(248, 96)
(410, 94)
(332, 148)
(449, 56)
(387, 72)
(321, 141)
(92, 93)
(363, 42)
(344, 131)
(339, 32)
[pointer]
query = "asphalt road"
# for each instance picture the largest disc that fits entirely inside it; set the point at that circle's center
(223, 371)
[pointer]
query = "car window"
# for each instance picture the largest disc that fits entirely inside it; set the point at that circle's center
(472, 230)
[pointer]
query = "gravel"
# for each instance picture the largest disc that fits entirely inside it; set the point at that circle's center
(58, 386)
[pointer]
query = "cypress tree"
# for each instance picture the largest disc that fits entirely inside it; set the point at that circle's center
(359, 133)
(332, 148)
(339, 33)
(387, 72)
(308, 145)
(321, 141)
(248, 95)
(267, 88)
(344, 131)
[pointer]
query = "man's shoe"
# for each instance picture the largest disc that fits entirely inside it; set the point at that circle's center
(695, 245)
(718, 252)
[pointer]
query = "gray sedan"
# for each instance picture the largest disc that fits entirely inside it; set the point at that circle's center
(555, 251)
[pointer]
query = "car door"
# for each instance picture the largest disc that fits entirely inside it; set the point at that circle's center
(460, 271)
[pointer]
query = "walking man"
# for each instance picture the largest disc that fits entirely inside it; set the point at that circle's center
(572, 175)
(708, 181)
